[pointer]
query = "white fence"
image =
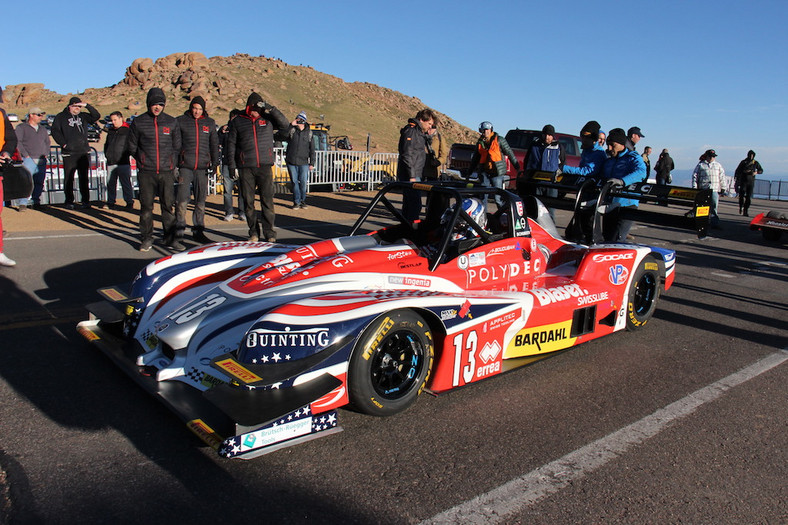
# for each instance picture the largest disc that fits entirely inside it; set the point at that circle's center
(333, 171)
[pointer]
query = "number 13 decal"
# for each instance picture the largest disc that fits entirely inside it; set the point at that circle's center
(470, 367)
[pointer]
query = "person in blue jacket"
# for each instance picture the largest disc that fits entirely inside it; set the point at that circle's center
(625, 167)
(592, 158)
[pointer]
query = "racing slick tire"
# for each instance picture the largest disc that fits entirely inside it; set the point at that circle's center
(391, 363)
(769, 234)
(643, 294)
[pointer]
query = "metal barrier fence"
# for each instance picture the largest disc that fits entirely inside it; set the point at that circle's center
(334, 171)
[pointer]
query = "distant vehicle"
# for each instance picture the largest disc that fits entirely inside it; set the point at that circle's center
(94, 134)
(13, 117)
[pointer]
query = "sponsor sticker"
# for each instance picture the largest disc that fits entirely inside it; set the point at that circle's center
(702, 211)
(541, 339)
(618, 274)
(651, 266)
(476, 259)
(205, 433)
(238, 371)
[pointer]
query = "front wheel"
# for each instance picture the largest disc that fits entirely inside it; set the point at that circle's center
(391, 363)
(644, 293)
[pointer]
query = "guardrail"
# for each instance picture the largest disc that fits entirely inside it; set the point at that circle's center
(333, 171)
(770, 189)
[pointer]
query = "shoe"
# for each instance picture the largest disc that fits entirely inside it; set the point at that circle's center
(5, 261)
(746, 214)
(200, 237)
(107, 206)
(22, 207)
(38, 206)
(146, 245)
(70, 206)
(242, 218)
(85, 206)
(271, 239)
(254, 238)
(175, 245)
(304, 206)
(229, 217)
(739, 211)
(129, 205)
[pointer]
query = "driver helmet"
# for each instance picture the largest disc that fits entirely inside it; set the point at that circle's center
(462, 230)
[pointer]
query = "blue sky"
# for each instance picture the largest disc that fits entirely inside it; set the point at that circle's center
(691, 74)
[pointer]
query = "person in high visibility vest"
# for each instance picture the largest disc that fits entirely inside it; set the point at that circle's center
(489, 159)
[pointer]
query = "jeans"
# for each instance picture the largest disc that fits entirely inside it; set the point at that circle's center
(614, 227)
(188, 179)
(229, 183)
(260, 180)
(714, 219)
(122, 172)
(152, 184)
(495, 181)
(77, 163)
(299, 175)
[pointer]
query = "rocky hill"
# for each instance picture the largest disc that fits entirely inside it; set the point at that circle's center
(354, 109)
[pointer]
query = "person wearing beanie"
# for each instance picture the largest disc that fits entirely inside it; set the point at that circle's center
(300, 157)
(155, 143)
(592, 158)
(490, 156)
(70, 131)
(7, 146)
(744, 177)
(624, 167)
(250, 144)
(199, 153)
(546, 155)
(709, 174)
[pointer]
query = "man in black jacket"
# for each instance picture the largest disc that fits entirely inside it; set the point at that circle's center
(70, 131)
(250, 145)
(155, 141)
(412, 156)
(300, 157)
(199, 153)
(116, 151)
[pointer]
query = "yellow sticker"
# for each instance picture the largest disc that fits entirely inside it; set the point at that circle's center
(113, 294)
(652, 266)
(238, 371)
(88, 334)
(129, 309)
(541, 340)
(206, 433)
(702, 211)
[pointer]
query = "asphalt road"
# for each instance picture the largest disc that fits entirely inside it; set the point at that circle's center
(685, 421)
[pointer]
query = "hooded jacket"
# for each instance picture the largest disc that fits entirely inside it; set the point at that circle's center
(250, 141)
(155, 141)
(627, 166)
(71, 131)
(300, 148)
(116, 148)
(199, 139)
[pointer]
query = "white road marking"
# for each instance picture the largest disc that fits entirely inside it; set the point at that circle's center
(498, 504)
(720, 274)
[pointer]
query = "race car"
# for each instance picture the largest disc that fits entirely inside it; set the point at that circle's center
(256, 345)
(772, 224)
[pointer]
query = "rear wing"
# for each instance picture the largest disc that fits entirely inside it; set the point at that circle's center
(578, 193)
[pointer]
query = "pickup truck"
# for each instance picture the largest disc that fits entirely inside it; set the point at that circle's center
(520, 140)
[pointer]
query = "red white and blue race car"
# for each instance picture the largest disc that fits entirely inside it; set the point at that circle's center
(256, 345)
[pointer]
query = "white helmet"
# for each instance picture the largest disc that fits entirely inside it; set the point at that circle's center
(462, 230)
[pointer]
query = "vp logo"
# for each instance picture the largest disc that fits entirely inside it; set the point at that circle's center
(618, 274)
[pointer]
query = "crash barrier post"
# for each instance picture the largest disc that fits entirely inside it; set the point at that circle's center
(770, 189)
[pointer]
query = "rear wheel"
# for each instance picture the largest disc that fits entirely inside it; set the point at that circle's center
(644, 294)
(391, 363)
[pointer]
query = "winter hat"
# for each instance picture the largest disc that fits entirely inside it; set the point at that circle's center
(74, 100)
(156, 96)
(548, 130)
(255, 103)
(198, 101)
(618, 136)
(301, 116)
(591, 129)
